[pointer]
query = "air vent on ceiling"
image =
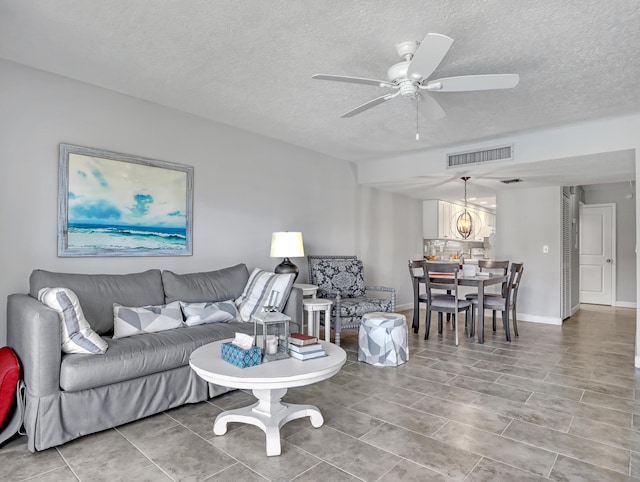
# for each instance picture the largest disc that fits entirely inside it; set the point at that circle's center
(510, 181)
(503, 153)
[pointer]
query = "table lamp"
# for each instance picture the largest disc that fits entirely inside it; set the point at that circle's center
(285, 244)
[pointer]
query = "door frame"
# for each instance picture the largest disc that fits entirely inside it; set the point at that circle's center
(614, 296)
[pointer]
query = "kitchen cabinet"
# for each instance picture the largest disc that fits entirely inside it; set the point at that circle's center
(436, 219)
(439, 221)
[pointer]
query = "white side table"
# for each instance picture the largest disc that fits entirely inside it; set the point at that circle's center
(313, 307)
(307, 290)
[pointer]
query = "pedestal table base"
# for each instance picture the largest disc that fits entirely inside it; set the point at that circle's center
(269, 414)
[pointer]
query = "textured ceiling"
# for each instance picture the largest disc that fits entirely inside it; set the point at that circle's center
(248, 63)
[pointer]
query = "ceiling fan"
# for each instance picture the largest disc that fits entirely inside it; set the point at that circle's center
(411, 76)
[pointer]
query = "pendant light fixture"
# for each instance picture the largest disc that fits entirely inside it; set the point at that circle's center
(464, 223)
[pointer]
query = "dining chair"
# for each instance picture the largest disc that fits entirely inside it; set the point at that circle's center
(441, 276)
(504, 303)
(490, 265)
(484, 265)
(416, 271)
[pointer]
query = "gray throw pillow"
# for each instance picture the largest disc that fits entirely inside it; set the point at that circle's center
(129, 321)
(212, 312)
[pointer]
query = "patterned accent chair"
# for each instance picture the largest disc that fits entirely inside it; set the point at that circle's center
(341, 279)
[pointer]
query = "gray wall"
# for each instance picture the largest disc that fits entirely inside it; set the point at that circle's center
(625, 233)
(527, 219)
(390, 234)
(239, 200)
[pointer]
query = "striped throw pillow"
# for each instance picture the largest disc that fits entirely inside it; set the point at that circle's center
(257, 292)
(77, 335)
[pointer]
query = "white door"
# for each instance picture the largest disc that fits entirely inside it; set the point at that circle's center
(597, 235)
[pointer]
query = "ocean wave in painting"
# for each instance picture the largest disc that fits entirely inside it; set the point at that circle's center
(94, 236)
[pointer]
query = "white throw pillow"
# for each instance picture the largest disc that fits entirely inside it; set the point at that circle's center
(77, 335)
(209, 312)
(145, 319)
(258, 290)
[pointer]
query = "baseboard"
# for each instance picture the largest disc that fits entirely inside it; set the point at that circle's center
(548, 320)
(625, 304)
(575, 309)
(637, 362)
(404, 307)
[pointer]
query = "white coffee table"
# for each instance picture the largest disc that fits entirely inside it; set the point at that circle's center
(269, 383)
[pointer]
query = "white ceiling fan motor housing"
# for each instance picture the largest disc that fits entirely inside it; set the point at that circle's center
(397, 74)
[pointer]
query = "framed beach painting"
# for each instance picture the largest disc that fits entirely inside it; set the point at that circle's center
(112, 204)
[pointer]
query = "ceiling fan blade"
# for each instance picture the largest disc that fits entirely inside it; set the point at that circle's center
(473, 82)
(432, 107)
(352, 80)
(429, 55)
(369, 105)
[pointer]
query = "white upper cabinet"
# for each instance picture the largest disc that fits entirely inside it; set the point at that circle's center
(439, 221)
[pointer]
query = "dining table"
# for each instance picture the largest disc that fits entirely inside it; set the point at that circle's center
(480, 282)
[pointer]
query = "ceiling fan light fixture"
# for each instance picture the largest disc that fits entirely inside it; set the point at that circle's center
(464, 223)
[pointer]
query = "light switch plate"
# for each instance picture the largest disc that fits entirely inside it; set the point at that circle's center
(545, 249)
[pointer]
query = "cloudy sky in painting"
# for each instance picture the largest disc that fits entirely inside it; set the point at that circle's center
(102, 191)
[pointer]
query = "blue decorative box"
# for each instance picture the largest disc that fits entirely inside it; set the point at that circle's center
(239, 357)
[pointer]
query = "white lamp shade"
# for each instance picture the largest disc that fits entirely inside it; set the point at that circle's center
(286, 244)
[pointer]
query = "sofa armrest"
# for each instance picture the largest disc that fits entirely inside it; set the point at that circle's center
(33, 331)
(293, 308)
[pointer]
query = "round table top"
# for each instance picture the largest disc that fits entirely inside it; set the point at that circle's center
(207, 362)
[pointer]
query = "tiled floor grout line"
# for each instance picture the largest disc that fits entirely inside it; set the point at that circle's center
(572, 456)
(505, 429)
(555, 461)
(66, 462)
(145, 454)
(473, 468)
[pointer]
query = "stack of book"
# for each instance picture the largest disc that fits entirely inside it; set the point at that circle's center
(304, 347)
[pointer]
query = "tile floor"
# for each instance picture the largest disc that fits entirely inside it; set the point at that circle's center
(558, 403)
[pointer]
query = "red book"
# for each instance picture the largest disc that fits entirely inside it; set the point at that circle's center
(302, 339)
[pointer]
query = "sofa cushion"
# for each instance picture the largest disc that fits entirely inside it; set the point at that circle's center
(77, 335)
(138, 356)
(216, 312)
(98, 292)
(257, 292)
(356, 307)
(221, 285)
(129, 321)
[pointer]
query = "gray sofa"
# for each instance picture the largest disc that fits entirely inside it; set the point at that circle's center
(71, 395)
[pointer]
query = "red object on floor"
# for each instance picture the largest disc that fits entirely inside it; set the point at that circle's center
(9, 375)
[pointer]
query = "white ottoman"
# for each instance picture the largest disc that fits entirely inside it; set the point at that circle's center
(382, 339)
